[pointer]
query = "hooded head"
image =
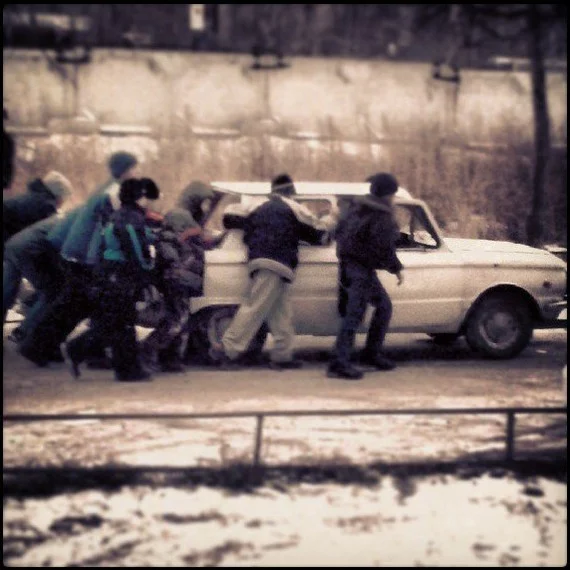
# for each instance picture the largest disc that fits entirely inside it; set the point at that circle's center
(179, 220)
(131, 191)
(59, 186)
(192, 198)
(382, 184)
(283, 185)
(120, 163)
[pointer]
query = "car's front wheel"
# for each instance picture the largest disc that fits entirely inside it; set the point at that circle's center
(209, 327)
(500, 326)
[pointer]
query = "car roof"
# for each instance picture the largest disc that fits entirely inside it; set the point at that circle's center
(305, 188)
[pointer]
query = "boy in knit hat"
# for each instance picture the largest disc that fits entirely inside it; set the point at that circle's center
(179, 275)
(273, 231)
(122, 271)
(366, 242)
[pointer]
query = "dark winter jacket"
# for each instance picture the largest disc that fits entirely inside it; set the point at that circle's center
(179, 264)
(32, 241)
(83, 241)
(23, 210)
(272, 233)
(126, 242)
(367, 234)
(35, 257)
(7, 159)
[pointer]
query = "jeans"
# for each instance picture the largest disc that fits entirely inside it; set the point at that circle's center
(63, 313)
(362, 287)
(46, 283)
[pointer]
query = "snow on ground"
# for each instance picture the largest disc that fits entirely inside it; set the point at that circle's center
(437, 520)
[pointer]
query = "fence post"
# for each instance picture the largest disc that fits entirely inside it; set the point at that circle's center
(258, 437)
(510, 452)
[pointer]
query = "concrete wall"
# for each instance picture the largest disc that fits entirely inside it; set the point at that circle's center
(169, 93)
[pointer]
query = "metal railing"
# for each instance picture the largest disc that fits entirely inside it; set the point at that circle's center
(510, 413)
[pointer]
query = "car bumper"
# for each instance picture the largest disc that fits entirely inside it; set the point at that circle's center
(555, 315)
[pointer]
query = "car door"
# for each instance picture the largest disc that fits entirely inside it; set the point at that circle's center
(315, 290)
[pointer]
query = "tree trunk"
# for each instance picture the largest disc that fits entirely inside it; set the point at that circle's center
(541, 127)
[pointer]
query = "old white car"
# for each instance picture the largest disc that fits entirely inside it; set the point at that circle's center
(492, 292)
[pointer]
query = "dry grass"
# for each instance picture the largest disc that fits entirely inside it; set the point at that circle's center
(484, 194)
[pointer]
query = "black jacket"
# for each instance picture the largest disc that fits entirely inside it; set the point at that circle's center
(25, 209)
(7, 159)
(179, 265)
(367, 234)
(272, 233)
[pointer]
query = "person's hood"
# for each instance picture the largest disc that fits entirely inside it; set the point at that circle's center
(192, 197)
(179, 220)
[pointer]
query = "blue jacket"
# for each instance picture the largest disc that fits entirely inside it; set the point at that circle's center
(83, 241)
(56, 236)
(126, 241)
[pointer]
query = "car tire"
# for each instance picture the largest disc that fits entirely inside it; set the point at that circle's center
(500, 326)
(209, 327)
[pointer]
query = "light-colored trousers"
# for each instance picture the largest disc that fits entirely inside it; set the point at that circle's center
(267, 300)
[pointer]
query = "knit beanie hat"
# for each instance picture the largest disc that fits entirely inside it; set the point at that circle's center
(150, 189)
(120, 162)
(57, 184)
(382, 184)
(283, 185)
(130, 191)
(179, 220)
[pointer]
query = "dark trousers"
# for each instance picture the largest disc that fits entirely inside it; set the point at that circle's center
(166, 341)
(44, 274)
(361, 287)
(72, 305)
(113, 321)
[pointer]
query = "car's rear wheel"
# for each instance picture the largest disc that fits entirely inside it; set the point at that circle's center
(209, 328)
(500, 326)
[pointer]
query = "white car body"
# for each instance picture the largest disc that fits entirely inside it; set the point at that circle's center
(444, 278)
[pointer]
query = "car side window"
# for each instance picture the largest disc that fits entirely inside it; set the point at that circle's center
(215, 222)
(415, 230)
(319, 207)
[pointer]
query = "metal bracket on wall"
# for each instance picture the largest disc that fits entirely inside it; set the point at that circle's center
(267, 59)
(445, 72)
(77, 55)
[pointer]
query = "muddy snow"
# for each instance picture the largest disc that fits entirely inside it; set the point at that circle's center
(437, 520)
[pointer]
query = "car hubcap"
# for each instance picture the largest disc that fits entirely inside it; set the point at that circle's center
(500, 329)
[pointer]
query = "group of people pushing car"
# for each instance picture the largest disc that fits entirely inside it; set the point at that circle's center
(94, 261)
